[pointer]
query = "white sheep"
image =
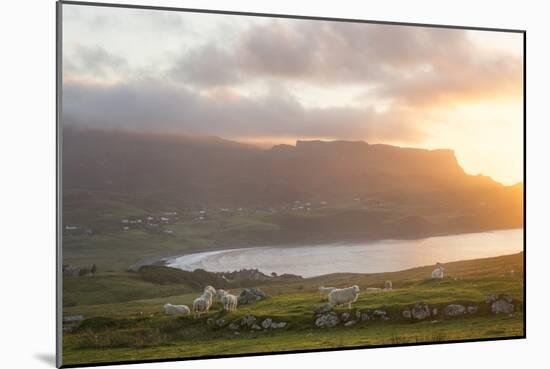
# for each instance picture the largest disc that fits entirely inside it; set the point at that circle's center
(202, 304)
(438, 271)
(343, 296)
(210, 289)
(170, 309)
(388, 286)
(324, 290)
(228, 300)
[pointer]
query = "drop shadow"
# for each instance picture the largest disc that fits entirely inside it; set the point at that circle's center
(46, 358)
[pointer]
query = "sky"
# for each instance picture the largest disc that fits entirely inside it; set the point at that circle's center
(269, 80)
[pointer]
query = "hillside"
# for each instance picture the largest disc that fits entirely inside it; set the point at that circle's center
(130, 197)
(114, 330)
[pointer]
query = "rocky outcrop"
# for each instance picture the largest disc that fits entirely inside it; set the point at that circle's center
(501, 304)
(248, 321)
(420, 311)
(454, 310)
(267, 323)
(251, 295)
(327, 320)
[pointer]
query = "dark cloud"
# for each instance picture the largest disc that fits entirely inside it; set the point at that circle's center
(150, 105)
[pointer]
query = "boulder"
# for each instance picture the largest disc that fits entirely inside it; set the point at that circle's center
(472, 309)
(345, 317)
(248, 321)
(435, 311)
(420, 311)
(454, 310)
(233, 326)
(379, 314)
(502, 306)
(267, 323)
(365, 316)
(73, 318)
(350, 323)
(406, 314)
(220, 322)
(256, 327)
(278, 325)
(251, 295)
(327, 320)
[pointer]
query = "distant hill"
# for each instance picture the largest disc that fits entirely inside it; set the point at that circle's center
(158, 171)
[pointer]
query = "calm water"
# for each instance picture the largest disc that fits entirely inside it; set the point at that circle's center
(357, 257)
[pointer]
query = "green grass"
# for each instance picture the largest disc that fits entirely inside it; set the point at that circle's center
(132, 326)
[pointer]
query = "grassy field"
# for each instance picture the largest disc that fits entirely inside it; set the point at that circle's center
(124, 319)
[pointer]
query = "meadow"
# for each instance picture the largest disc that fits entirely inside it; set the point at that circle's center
(124, 320)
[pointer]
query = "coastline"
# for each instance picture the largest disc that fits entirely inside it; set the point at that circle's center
(395, 259)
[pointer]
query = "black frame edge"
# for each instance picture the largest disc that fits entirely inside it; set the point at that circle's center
(289, 16)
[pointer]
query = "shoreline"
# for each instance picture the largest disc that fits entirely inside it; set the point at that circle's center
(161, 260)
(191, 263)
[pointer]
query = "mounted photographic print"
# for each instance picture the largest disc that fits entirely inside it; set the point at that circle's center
(240, 184)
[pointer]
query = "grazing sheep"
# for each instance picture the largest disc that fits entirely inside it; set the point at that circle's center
(388, 286)
(210, 289)
(228, 300)
(438, 271)
(343, 296)
(170, 309)
(202, 304)
(324, 290)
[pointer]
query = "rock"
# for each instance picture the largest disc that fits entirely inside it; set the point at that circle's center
(379, 314)
(472, 309)
(345, 317)
(350, 323)
(454, 310)
(69, 328)
(256, 327)
(267, 323)
(420, 311)
(248, 321)
(220, 322)
(328, 320)
(365, 316)
(358, 314)
(323, 309)
(406, 314)
(233, 326)
(502, 306)
(73, 318)
(388, 285)
(210, 322)
(435, 311)
(251, 295)
(278, 325)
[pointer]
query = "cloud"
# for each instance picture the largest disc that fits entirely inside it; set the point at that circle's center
(209, 83)
(414, 65)
(152, 105)
(93, 61)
